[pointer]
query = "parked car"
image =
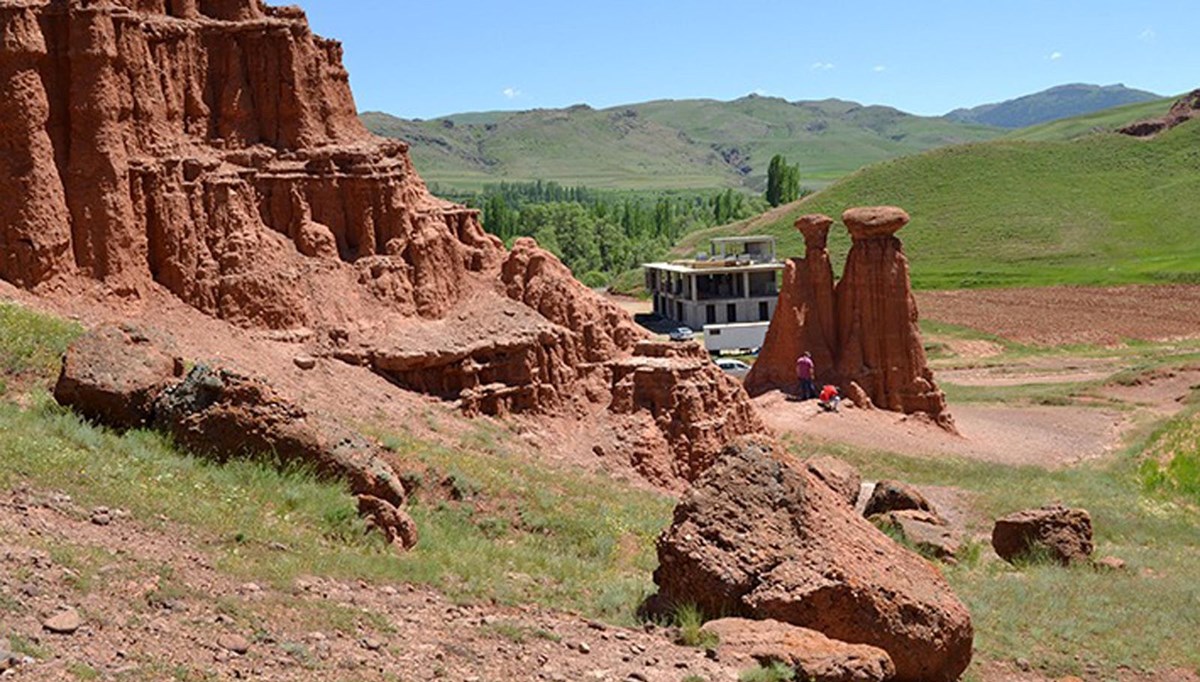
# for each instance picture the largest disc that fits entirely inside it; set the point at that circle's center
(733, 366)
(682, 334)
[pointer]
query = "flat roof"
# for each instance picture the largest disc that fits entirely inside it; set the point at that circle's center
(714, 270)
(737, 325)
(752, 238)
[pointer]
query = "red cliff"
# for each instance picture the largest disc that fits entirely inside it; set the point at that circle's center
(212, 148)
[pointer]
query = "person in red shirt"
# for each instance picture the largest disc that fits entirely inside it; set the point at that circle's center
(829, 399)
(804, 372)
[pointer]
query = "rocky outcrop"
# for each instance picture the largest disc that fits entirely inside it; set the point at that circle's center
(862, 333)
(694, 409)
(813, 656)
(1054, 532)
(212, 149)
(1184, 109)
(121, 378)
(804, 317)
(879, 341)
(114, 374)
(759, 536)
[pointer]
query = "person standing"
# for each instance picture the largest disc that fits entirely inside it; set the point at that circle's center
(804, 372)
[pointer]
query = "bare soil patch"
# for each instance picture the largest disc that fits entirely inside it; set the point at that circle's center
(1071, 315)
(155, 606)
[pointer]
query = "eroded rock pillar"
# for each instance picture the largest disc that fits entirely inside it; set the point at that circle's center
(880, 342)
(804, 319)
(108, 244)
(35, 238)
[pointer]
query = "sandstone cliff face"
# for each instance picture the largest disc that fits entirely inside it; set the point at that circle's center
(861, 333)
(212, 148)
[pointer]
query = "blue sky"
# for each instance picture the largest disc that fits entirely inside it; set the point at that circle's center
(423, 59)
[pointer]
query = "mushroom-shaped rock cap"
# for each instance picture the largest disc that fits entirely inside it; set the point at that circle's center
(815, 228)
(874, 221)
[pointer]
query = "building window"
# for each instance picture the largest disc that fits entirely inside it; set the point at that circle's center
(679, 312)
(764, 311)
(710, 314)
(731, 312)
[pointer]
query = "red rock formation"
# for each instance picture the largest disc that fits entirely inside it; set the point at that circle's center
(863, 333)
(212, 147)
(879, 342)
(759, 536)
(813, 656)
(804, 319)
(1184, 109)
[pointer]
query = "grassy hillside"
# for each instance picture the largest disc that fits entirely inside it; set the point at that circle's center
(1063, 101)
(1100, 121)
(685, 144)
(1102, 209)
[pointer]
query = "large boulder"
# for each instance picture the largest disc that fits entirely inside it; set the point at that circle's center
(814, 657)
(113, 374)
(759, 536)
(926, 532)
(1063, 534)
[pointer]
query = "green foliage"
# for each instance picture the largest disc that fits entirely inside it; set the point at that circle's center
(776, 672)
(31, 344)
(1172, 463)
(690, 621)
(783, 181)
(1103, 209)
(599, 234)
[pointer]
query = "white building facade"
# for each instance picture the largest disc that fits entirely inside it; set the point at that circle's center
(735, 282)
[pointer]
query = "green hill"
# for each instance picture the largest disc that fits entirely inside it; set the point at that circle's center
(668, 144)
(1100, 121)
(1101, 209)
(1063, 101)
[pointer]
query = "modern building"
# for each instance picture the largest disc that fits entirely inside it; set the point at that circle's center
(736, 281)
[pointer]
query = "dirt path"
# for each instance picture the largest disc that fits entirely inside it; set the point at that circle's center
(1014, 434)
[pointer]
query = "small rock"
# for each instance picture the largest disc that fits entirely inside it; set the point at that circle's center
(305, 362)
(235, 643)
(64, 622)
(583, 648)
(101, 516)
(372, 644)
(636, 676)
(1110, 563)
(1023, 665)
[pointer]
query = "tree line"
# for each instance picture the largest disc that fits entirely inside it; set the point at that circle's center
(600, 234)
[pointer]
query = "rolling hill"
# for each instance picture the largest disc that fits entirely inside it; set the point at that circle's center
(668, 144)
(1100, 209)
(1064, 101)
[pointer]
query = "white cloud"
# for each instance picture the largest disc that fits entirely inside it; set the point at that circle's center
(1147, 36)
(879, 69)
(822, 66)
(511, 93)
(1055, 56)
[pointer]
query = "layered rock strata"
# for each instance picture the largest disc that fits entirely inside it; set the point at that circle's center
(212, 148)
(862, 333)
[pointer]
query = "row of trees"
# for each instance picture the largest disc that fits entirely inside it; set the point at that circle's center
(601, 233)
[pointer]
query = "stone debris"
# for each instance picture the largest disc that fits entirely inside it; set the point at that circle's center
(1063, 534)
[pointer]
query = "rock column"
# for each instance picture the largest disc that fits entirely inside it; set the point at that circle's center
(108, 243)
(879, 339)
(804, 319)
(35, 237)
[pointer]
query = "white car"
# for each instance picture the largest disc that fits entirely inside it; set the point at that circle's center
(682, 334)
(733, 366)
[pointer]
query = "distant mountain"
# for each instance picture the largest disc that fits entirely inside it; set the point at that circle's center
(669, 144)
(1064, 101)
